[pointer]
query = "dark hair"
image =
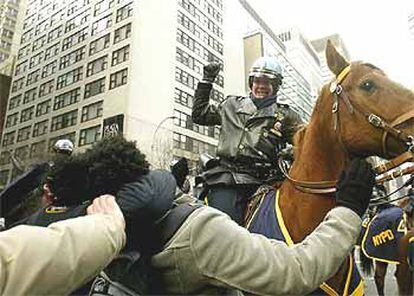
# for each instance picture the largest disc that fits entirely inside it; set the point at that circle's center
(102, 169)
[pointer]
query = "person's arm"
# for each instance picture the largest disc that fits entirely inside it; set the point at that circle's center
(228, 255)
(204, 113)
(58, 259)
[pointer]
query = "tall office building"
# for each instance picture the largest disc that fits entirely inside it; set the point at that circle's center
(91, 67)
(411, 24)
(11, 22)
(320, 45)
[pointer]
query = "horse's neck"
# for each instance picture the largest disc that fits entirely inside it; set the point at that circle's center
(320, 158)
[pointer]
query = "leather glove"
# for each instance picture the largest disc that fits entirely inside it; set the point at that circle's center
(354, 187)
(180, 171)
(210, 72)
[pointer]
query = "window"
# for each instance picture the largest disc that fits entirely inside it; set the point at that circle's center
(69, 78)
(17, 84)
(99, 44)
(5, 157)
(54, 34)
(74, 39)
(77, 21)
(24, 133)
(66, 99)
(22, 153)
(40, 128)
(38, 43)
(102, 24)
(46, 88)
(76, 5)
(30, 95)
(57, 17)
(36, 60)
(186, 59)
(12, 119)
(118, 78)
(122, 33)
(120, 55)
(65, 120)
(27, 36)
(38, 149)
(52, 51)
(21, 68)
(102, 6)
(92, 111)
(27, 114)
(90, 135)
(14, 102)
(97, 66)
(94, 88)
(185, 78)
(183, 98)
(33, 77)
(124, 12)
(24, 52)
(72, 58)
(8, 138)
(43, 108)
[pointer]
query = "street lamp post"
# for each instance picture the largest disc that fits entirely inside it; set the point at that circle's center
(157, 128)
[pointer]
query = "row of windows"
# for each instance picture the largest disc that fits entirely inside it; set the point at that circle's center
(75, 22)
(58, 122)
(186, 78)
(189, 144)
(199, 32)
(194, 64)
(200, 16)
(72, 40)
(197, 48)
(71, 97)
(68, 98)
(184, 120)
(86, 136)
(96, 66)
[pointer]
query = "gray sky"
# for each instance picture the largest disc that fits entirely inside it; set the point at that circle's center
(373, 31)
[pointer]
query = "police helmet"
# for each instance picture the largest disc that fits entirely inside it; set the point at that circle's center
(267, 67)
(63, 146)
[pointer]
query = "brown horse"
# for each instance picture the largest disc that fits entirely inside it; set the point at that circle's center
(345, 122)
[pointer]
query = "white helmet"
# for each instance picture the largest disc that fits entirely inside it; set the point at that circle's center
(64, 146)
(268, 67)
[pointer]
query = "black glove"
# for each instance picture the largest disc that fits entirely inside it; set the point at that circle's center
(354, 187)
(180, 171)
(210, 72)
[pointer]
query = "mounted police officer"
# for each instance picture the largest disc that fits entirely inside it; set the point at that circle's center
(254, 129)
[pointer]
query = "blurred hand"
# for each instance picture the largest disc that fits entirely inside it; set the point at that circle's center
(210, 72)
(106, 204)
(354, 188)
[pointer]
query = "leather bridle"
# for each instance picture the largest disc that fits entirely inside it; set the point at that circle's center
(375, 120)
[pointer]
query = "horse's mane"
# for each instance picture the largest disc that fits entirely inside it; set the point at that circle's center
(298, 140)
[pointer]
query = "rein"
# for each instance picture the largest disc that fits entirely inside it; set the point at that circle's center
(336, 89)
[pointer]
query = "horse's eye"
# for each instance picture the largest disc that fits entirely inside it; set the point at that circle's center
(367, 86)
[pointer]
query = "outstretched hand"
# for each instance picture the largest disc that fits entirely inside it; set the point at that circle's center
(354, 188)
(106, 204)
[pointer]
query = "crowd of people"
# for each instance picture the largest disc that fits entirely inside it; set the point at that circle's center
(105, 207)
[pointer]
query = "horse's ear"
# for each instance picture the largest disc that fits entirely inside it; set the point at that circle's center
(335, 61)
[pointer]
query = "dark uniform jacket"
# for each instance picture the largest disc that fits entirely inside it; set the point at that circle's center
(250, 138)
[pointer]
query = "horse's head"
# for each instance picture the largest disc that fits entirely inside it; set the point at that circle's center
(371, 114)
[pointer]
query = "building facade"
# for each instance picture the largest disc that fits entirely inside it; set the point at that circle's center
(411, 24)
(11, 22)
(88, 68)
